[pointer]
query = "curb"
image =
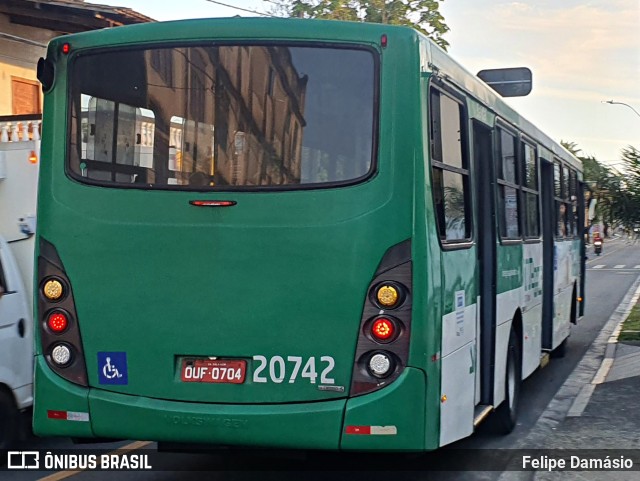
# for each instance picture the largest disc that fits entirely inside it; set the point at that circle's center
(574, 395)
(583, 397)
(582, 376)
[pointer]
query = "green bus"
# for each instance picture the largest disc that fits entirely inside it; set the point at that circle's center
(292, 234)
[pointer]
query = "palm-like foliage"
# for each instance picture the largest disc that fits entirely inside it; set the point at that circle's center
(617, 195)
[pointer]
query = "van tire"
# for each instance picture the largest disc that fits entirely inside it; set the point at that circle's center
(507, 412)
(9, 422)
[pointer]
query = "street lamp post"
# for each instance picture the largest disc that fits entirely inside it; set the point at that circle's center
(621, 103)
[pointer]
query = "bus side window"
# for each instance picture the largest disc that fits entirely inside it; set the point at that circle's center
(508, 186)
(560, 206)
(450, 172)
(573, 198)
(530, 193)
(569, 221)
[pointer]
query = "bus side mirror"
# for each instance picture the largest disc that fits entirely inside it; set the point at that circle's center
(508, 82)
(45, 73)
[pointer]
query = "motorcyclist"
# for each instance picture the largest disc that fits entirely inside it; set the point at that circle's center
(597, 243)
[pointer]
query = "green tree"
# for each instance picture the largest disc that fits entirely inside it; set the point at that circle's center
(606, 186)
(631, 159)
(423, 15)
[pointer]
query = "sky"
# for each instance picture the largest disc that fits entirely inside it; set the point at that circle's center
(581, 53)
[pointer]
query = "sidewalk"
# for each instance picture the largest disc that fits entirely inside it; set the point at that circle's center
(611, 419)
(605, 414)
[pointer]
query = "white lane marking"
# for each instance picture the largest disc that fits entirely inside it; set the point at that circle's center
(619, 266)
(581, 400)
(599, 266)
(605, 367)
(637, 267)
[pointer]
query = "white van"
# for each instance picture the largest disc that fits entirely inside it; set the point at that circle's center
(16, 346)
(18, 184)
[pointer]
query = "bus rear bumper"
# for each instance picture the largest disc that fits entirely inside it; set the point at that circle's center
(65, 409)
(301, 425)
(61, 408)
(389, 419)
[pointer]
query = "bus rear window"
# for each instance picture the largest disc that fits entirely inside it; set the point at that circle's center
(223, 117)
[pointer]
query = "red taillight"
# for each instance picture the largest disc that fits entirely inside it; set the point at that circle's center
(59, 329)
(57, 322)
(66, 48)
(383, 329)
(213, 203)
(385, 324)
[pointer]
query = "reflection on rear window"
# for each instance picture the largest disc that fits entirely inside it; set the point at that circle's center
(223, 116)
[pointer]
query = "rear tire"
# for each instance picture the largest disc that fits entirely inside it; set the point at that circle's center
(507, 412)
(9, 422)
(561, 350)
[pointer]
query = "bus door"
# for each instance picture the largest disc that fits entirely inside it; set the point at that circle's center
(486, 237)
(583, 253)
(548, 242)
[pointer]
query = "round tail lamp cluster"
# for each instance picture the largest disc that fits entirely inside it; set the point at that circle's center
(383, 329)
(53, 290)
(381, 364)
(61, 355)
(57, 322)
(387, 295)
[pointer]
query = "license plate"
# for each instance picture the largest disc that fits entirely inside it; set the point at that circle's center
(221, 371)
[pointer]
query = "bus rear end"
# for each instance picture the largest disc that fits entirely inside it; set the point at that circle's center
(224, 248)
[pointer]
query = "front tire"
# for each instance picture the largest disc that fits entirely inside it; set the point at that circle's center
(507, 412)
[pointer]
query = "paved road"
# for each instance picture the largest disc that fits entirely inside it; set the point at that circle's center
(609, 277)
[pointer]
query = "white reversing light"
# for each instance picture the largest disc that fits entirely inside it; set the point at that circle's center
(379, 364)
(61, 355)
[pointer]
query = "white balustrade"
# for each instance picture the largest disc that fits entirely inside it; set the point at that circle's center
(144, 138)
(148, 137)
(20, 130)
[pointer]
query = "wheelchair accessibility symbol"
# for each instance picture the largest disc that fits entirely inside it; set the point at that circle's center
(109, 371)
(112, 368)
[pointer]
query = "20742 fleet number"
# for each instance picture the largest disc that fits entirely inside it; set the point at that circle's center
(278, 369)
